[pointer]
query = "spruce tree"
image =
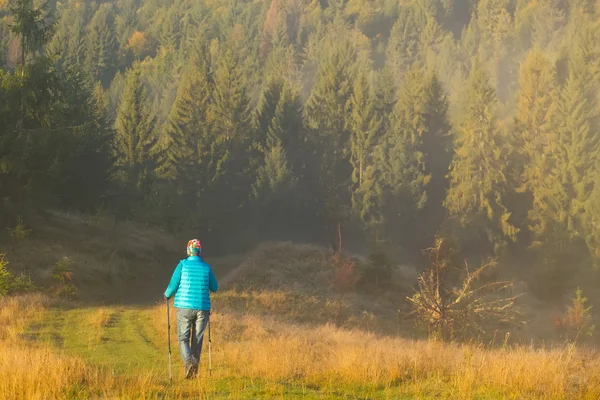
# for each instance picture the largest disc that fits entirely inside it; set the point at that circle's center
(275, 176)
(578, 142)
(325, 113)
(126, 21)
(187, 128)
(536, 138)
(364, 123)
(135, 136)
(231, 125)
(414, 157)
(405, 38)
(101, 44)
(230, 108)
(31, 23)
(265, 110)
(478, 186)
(546, 19)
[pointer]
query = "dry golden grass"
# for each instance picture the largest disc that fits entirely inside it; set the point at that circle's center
(327, 356)
(35, 373)
(257, 338)
(27, 371)
(17, 312)
(261, 349)
(31, 371)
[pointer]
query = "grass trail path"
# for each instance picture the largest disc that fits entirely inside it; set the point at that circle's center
(126, 340)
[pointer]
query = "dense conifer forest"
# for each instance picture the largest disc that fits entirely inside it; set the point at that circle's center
(387, 122)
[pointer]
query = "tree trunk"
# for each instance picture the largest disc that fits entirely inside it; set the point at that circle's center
(339, 238)
(360, 171)
(22, 110)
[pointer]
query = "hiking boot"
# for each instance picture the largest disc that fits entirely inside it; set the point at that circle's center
(190, 371)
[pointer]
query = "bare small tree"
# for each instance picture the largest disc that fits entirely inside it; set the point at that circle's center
(458, 302)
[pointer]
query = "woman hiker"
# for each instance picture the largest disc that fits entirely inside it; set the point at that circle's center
(192, 282)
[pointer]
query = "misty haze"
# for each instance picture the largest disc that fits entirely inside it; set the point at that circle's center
(303, 199)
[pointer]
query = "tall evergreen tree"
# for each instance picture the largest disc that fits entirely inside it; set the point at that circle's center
(126, 21)
(230, 109)
(31, 24)
(187, 129)
(578, 142)
(230, 118)
(405, 38)
(68, 43)
(414, 157)
(478, 185)
(280, 124)
(364, 123)
(325, 113)
(537, 138)
(135, 136)
(101, 44)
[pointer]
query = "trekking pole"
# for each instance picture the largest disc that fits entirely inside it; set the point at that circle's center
(169, 340)
(209, 350)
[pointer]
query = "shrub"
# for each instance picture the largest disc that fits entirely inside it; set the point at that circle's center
(62, 276)
(20, 231)
(9, 284)
(5, 277)
(378, 271)
(345, 275)
(23, 284)
(577, 324)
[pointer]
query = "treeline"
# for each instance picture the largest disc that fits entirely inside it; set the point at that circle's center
(395, 119)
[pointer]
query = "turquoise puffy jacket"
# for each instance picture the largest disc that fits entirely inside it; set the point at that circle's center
(192, 280)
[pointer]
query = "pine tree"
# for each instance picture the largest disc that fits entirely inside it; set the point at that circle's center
(230, 109)
(274, 177)
(31, 24)
(537, 138)
(34, 28)
(265, 110)
(325, 113)
(478, 185)
(281, 115)
(126, 21)
(414, 157)
(170, 30)
(405, 39)
(187, 128)
(364, 123)
(135, 137)
(578, 143)
(437, 148)
(547, 19)
(494, 21)
(101, 45)
(231, 122)
(68, 42)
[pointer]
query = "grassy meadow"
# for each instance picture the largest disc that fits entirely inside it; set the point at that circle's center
(279, 331)
(58, 350)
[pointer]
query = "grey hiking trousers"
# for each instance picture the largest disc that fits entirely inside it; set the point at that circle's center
(191, 325)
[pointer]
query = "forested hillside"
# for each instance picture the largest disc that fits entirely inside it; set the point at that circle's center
(394, 120)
